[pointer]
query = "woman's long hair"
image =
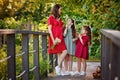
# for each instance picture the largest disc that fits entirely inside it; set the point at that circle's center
(88, 29)
(73, 29)
(55, 10)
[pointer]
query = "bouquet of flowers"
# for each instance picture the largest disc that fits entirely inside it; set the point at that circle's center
(57, 40)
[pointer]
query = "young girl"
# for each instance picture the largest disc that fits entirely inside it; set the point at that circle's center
(69, 37)
(82, 49)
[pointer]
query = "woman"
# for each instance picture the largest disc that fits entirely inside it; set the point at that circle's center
(56, 40)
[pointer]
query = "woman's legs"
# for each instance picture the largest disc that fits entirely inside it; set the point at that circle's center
(59, 54)
(60, 60)
(62, 57)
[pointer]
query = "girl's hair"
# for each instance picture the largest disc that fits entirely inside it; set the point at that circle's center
(55, 10)
(88, 29)
(73, 29)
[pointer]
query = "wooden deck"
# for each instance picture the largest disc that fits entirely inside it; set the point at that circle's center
(91, 66)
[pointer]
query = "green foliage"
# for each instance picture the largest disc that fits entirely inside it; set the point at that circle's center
(3, 65)
(10, 23)
(43, 67)
(2, 24)
(8, 8)
(96, 13)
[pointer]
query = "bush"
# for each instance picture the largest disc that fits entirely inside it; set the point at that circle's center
(3, 65)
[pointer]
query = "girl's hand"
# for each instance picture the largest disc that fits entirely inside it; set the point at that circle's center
(69, 23)
(77, 34)
(73, 40)
(80, 35)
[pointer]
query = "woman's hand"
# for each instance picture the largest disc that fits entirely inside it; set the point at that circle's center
(57, 40)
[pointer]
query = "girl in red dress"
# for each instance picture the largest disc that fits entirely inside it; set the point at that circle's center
(56, 40)
(81, 53)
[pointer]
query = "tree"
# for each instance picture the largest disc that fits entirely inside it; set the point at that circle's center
(9, 7)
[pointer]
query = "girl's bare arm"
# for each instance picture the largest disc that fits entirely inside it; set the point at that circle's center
(65, 32)
(80, 38)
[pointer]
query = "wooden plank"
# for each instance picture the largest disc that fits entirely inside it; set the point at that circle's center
(1, 43)
(25, 57)
(36, 57)
(103, 57)
(11, 61)
(107, 58)
(7, 31)
(13, 31)
(44, 47)
(115, 62)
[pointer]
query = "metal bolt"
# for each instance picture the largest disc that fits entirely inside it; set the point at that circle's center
(109, 66)
(116, 78)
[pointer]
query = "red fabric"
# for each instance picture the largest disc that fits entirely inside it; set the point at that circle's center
(82, 49)
(57, 31)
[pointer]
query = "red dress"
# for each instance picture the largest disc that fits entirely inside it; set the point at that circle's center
(57, 31)
(82, 49)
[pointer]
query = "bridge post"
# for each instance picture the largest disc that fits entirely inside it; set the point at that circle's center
(25, 57)
(11, 53)
(105, 55)
(36, 56)
(44, 48)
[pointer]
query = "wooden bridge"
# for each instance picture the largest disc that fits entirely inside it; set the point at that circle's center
(110, 61)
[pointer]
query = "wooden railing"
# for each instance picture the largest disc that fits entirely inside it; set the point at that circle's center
(110, 54)
(11, 52)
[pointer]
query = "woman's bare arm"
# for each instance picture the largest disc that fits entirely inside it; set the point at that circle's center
(50, 32)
